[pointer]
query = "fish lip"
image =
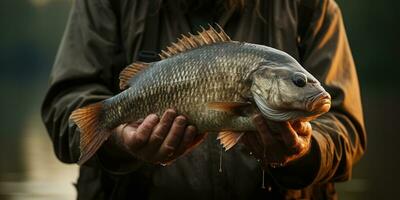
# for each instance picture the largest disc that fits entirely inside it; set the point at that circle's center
(319, 103)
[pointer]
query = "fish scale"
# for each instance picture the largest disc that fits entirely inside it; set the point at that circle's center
(217, 83)
(213, 82)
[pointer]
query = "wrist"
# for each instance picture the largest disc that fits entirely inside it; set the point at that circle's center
(114, 157)
(300, 172)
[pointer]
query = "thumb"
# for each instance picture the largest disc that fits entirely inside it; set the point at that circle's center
(302, 128)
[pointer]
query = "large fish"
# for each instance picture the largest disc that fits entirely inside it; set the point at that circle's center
(214, 81)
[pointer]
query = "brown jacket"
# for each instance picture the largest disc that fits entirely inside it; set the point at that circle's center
(103, 36)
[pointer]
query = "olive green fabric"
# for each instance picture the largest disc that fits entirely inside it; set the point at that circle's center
(104, 36)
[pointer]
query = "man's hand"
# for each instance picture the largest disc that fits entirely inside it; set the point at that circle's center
(158, 140)
(278, 143)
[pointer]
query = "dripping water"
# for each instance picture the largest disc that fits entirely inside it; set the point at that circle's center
(220, 160)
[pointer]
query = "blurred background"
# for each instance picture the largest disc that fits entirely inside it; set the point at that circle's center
(30, 34)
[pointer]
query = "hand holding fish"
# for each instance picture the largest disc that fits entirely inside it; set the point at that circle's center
(218, 84)
(158, 140)
(278, 143)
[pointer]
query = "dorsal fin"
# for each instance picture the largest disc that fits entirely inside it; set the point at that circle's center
(130, 71)
(205, 37)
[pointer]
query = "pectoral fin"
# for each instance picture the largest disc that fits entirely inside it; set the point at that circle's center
(228, 139)
(230, 107)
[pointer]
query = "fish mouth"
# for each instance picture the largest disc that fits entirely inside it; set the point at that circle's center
(319, 104)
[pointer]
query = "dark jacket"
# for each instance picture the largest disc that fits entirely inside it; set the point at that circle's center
(104, 36)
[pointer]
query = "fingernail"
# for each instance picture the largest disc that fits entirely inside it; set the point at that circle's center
(153, 117)
(170, 111)
(180, 120)
(192, 128)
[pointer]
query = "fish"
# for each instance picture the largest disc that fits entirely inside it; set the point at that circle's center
(217, 83)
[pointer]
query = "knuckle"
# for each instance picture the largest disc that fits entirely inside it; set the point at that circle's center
(147, 126)
(167, 120)
(161, 129)
(164, 125)
(175, 132)
(158, 137)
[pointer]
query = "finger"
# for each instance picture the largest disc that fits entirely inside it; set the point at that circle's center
(264, 133)
(188, 138)
(173, 138)
(162, 128)
(302, 128)
(290, 137)
(136, 138)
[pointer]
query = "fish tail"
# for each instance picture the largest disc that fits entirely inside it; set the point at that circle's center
(90, 121)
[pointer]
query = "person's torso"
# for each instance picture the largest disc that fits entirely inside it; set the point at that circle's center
(146, 27)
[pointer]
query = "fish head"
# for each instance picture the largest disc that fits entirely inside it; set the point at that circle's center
(288, 92)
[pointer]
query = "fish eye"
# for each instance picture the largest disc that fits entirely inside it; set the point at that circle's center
(299, 79)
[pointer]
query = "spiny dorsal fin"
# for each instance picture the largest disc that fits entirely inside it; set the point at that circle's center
(130, 71)
(205, 37)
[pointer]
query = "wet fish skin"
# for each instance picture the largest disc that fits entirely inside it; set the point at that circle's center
(188, 84)
(218, 84)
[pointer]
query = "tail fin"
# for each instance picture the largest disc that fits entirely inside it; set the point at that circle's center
(89, 119)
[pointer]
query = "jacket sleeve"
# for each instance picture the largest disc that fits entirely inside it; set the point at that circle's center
(339, 138)
(85, 71)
